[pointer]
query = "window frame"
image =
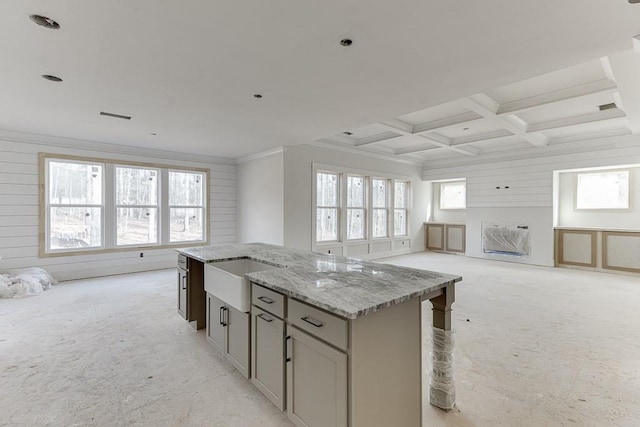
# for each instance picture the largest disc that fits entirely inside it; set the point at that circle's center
(364, 208)
(46, 205)
(385, 208)
(444, 184)
(169, 206)
(629, 174)
(109, 205)
(405, 209)
(337, 207)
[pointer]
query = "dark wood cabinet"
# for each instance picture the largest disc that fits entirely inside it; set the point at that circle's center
(192, 298)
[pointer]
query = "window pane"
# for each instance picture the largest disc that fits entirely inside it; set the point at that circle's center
(327, 190)
(75, 183)
(355, 223)
(186, 224)
(400, 222)
(355, 192)
(136, 226)
(453, 195)
(605, 190)
(75, 228)
(379, 193)
(136, 186)
(379, 223)
(327, 225)
(185, 188)
(400, 194)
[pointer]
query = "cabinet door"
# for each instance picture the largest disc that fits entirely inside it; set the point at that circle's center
(267, 355)
(237, 339)
(215, 324)
(316, 382)
(182, 292)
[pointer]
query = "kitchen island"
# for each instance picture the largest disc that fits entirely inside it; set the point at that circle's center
(349, 333)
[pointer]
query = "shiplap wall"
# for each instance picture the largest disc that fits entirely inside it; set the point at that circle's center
(530, 196)
(19, 206)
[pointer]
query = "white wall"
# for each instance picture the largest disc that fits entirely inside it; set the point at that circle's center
(569, 216)
(19, 206)
(298, 182)
(529, 198)
(261, 199)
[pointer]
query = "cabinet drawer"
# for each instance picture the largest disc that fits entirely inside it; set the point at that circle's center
(268, 300)
(323, 325)
(182, 262)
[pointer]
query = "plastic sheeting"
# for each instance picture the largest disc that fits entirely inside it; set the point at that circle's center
(443, 389)
(24, 282)
(506, 239)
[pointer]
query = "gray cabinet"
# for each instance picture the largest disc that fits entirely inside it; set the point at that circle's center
(182, 292)
(316, 381)
(228, 330)
(191, 294)
(267, 355)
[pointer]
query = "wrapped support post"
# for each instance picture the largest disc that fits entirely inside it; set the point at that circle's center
(442, 392)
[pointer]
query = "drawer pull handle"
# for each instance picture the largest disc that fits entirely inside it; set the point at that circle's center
(265, 318)
(286, 349)
(266, 300)
(312, 321)
(222, 316)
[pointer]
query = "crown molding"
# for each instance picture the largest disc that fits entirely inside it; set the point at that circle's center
(54, 141)
(261, 154)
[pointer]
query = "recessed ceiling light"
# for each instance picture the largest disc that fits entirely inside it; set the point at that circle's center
(465, 128)
(347, 133)
(51, 78)
(634, 1)
(45, 22)
(346, 42)
(257, 95)
(153, 133)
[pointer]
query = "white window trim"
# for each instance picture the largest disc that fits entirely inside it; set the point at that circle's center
(601, 171)
(365, 209)
(109, 206)
(405, 209)
(444, 183)
(368, 174)
(340, 194)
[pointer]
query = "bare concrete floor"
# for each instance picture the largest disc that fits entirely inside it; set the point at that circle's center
(534, 347)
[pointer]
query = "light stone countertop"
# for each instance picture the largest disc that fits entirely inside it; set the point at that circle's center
(346, 287)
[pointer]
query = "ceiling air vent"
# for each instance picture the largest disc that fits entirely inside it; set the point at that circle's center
(610, 106)
(117, 116)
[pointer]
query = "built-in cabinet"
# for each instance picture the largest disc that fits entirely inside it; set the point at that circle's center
(598, 249)
(445, 237)
(228, 330)
(191, 294)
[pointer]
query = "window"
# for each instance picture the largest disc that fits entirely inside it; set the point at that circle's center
(74, 205)
(93, 205)
(136, 206)
(379, 207)
(186, 206)
(327, 207)
(355, 208)
(400, 208)
(453, 195)
(603, 190)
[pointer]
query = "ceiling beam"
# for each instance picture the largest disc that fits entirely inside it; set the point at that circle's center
(487, 107)
(613, 113)
(574, 92)
(444, 142)
(466, 140)
(385, 136)
(624, 67)
(411, 150)
(447, 122)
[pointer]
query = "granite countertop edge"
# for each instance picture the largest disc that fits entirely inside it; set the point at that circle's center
(301, 262)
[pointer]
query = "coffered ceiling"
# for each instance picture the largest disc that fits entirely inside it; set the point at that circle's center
(577, 103)
(186, 72)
